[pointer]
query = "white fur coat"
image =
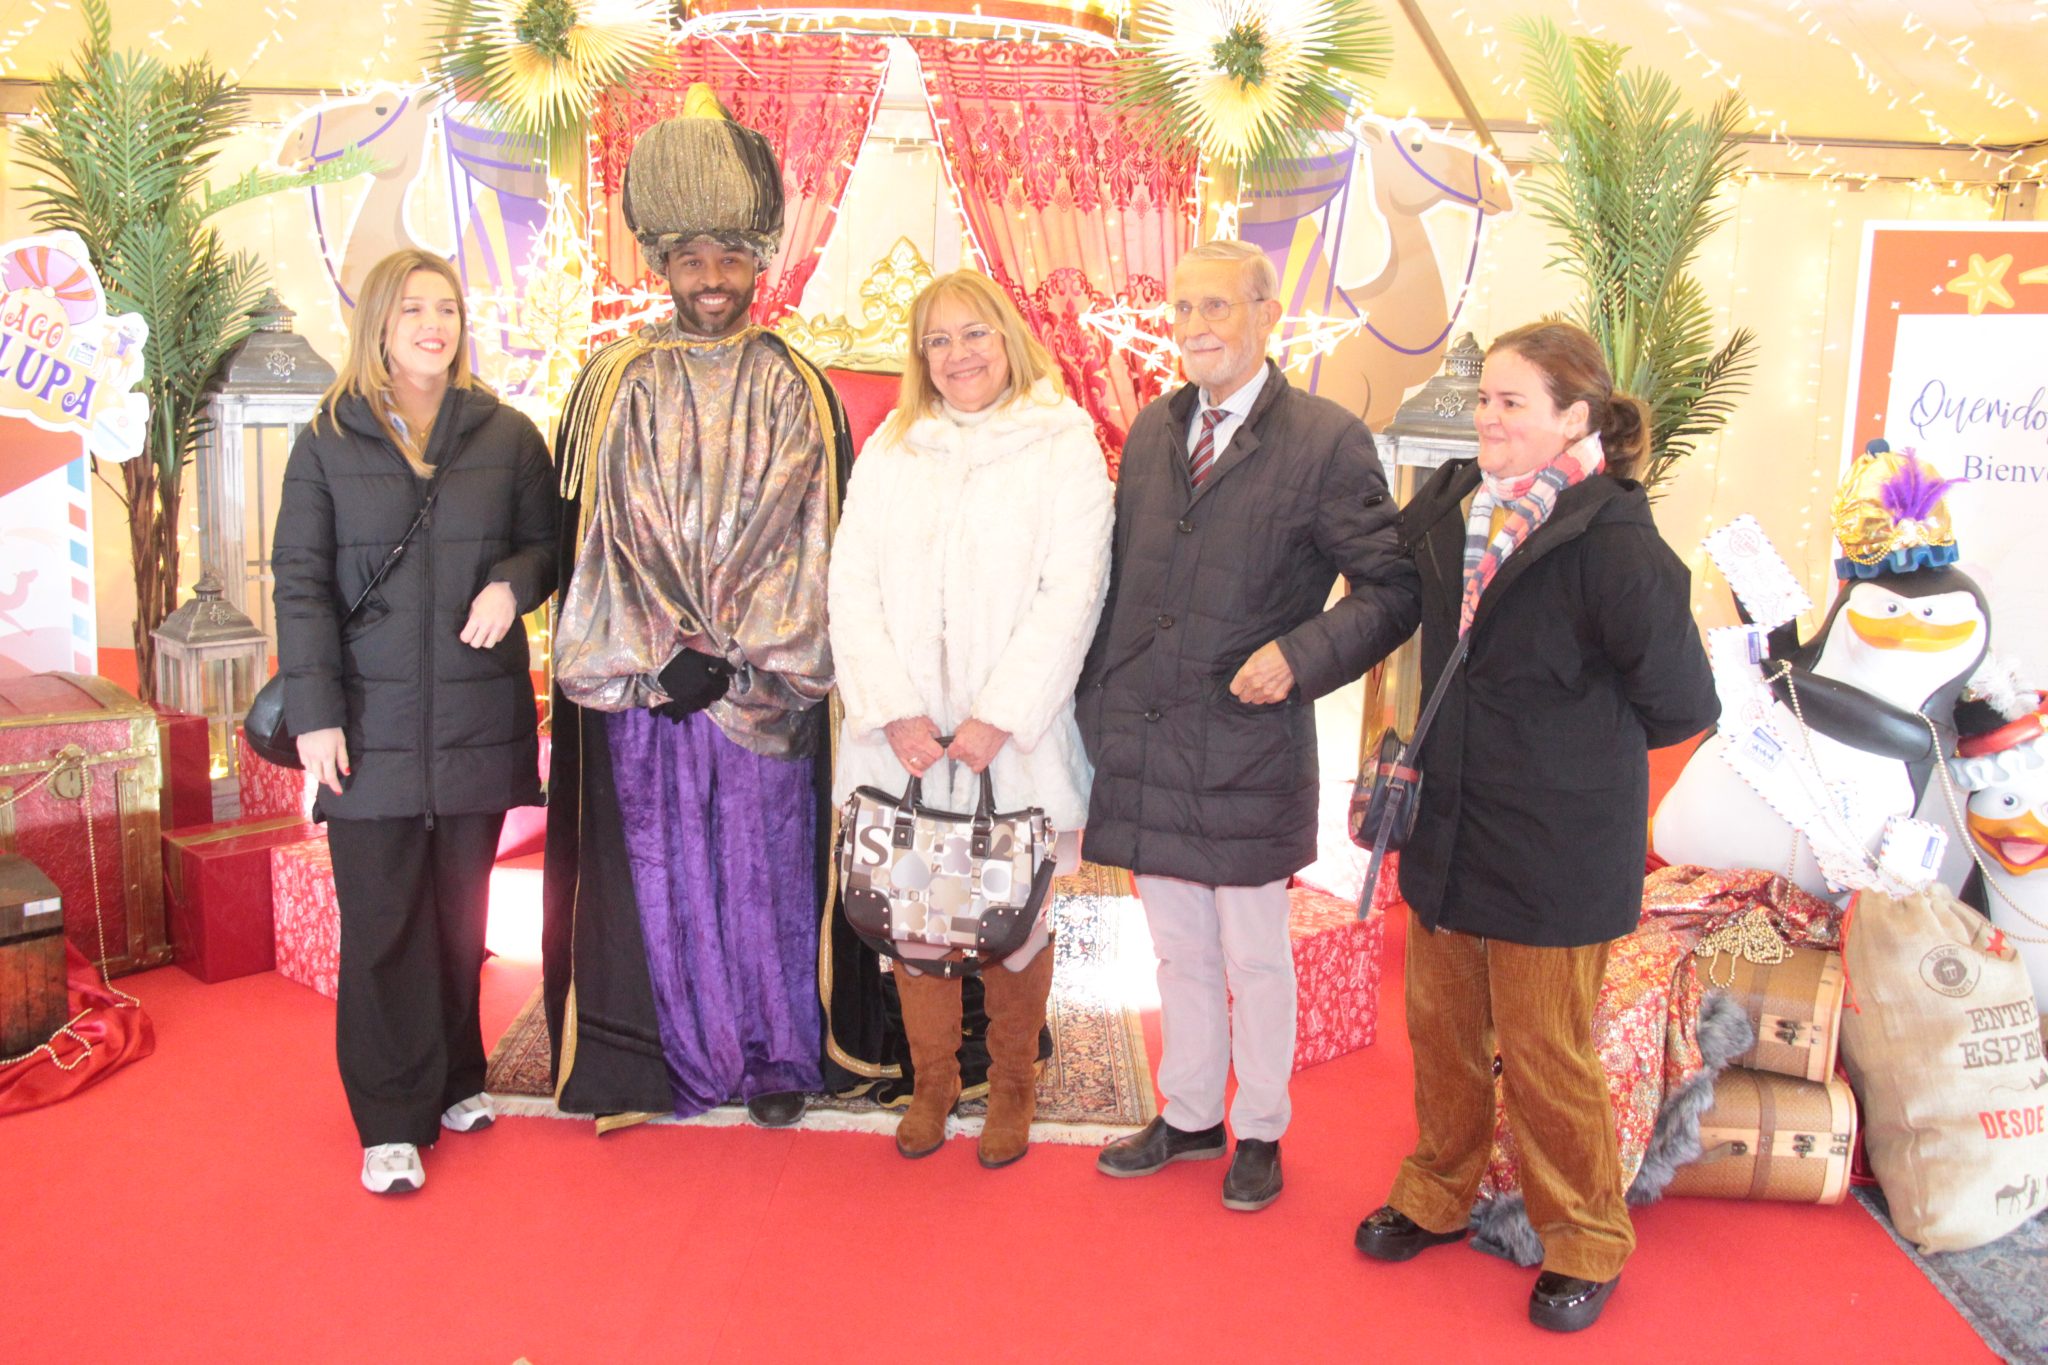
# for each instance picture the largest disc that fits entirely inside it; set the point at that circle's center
(966, 579)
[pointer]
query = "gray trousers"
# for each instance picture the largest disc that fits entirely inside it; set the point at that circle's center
(1226, 999)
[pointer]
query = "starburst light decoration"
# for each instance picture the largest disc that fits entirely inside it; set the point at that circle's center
(538, 67)
(1252, 83)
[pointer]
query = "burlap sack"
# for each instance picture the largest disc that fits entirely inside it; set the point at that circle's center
(1944, 1048)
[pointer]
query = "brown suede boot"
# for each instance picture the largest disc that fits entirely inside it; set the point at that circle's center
(931, 1021)
(1016, 1011)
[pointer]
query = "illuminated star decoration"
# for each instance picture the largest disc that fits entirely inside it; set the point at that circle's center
(538, 67)
(1251, 83)
(1983, 282)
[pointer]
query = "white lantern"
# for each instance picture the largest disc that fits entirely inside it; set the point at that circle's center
(210, 659)
(265, 391)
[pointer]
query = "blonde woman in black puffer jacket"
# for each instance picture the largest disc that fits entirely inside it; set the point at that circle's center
(415, 715)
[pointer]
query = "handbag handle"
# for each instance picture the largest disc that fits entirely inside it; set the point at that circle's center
(901, 833)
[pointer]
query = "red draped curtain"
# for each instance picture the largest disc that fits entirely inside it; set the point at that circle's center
(812, 95)
(1069, 204)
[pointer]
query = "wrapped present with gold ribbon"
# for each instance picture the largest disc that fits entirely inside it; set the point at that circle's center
(218, 892)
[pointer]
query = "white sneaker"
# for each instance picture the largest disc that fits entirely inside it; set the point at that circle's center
(392, 1168)
(466, 1116)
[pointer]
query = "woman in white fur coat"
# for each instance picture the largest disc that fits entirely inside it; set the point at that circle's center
(967, 575)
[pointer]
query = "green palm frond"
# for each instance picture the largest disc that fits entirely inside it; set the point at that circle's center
(1633, 184)
(121, 151)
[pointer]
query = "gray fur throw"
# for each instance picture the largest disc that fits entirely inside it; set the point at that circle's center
(1500, 1226)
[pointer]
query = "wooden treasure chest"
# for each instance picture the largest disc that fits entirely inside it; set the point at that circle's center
(1795, 1005)
(1773, 1137)
(31, 956)
(79, 785)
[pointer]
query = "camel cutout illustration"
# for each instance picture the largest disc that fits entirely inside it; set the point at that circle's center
(496, 184)
(1410, 313)
(396, 127)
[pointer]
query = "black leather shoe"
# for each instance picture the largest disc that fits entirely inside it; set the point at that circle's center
(1254, 1179)
(1157, 1145)
(783, 1109)
(1564, 1304)
(1391, 1235)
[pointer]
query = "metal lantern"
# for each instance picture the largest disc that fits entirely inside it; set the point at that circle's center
(210, 659)
(266, 390)
(1434, 426)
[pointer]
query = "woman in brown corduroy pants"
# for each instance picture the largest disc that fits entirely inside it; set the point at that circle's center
(1526, 860)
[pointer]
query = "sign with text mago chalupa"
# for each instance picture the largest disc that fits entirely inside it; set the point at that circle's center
(66, 362)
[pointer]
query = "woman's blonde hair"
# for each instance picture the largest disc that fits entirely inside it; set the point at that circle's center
(987, 301)
(366, 370)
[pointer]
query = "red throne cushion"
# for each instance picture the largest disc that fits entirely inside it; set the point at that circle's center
(868, 399)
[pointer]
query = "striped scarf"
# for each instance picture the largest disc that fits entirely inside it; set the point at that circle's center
(1526, 503)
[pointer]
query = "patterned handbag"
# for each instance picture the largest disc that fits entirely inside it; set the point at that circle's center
(970, 883)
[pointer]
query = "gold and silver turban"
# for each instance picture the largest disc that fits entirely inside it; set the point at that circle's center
(703, 175)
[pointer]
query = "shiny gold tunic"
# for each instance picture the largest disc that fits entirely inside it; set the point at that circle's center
(707, 483)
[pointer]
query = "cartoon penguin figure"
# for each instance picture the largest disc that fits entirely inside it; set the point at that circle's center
(2004, 768)
(1899, 643)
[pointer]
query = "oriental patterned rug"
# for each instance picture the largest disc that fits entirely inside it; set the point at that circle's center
(1096, 1087)
(1999, 1289)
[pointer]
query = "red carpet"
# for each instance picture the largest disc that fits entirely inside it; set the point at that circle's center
(203, 1206)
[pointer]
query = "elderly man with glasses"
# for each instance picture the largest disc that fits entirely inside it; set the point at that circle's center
(1241, 501)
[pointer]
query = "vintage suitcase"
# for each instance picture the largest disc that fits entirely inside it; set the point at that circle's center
(79, 790)
(1773, 1137)
(1796, 1006)
(31, 956)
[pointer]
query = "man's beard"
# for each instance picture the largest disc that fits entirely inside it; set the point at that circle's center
(694, 322)
(1216, 366)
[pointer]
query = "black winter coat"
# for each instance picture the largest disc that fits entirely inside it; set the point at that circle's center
(1536, 774)
(1189, 781)
(433, 726)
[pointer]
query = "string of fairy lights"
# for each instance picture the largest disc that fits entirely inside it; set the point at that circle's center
(1137, 328)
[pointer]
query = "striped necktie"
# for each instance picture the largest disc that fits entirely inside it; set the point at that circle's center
(1202, 458)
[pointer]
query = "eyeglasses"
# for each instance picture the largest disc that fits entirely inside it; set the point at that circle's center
(1212, 310)
(973, 338)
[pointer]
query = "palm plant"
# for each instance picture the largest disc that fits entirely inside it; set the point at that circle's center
(1630, 184)
(123, 145)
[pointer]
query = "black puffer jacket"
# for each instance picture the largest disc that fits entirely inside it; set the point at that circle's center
(433, 726)
(1536, 772)
(1189, 781)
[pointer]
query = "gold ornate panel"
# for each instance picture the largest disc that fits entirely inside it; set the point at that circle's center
(877, 342)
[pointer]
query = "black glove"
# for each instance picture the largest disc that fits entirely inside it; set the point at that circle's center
(693, 680)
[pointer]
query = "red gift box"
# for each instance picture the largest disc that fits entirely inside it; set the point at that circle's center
(307, 916)
(184, 750)
(217, 890)
(268, 789)
(79, 798)
(1336, 975)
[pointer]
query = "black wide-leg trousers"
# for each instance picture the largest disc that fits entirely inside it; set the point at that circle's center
(413, 903)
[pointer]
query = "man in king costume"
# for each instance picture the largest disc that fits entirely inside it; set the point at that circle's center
(692, 956)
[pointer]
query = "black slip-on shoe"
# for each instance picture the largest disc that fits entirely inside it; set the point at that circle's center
(783, 1109)
(1391, 1235)
(1254, 1179)
(1157, 1145)
(1562, 1303)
